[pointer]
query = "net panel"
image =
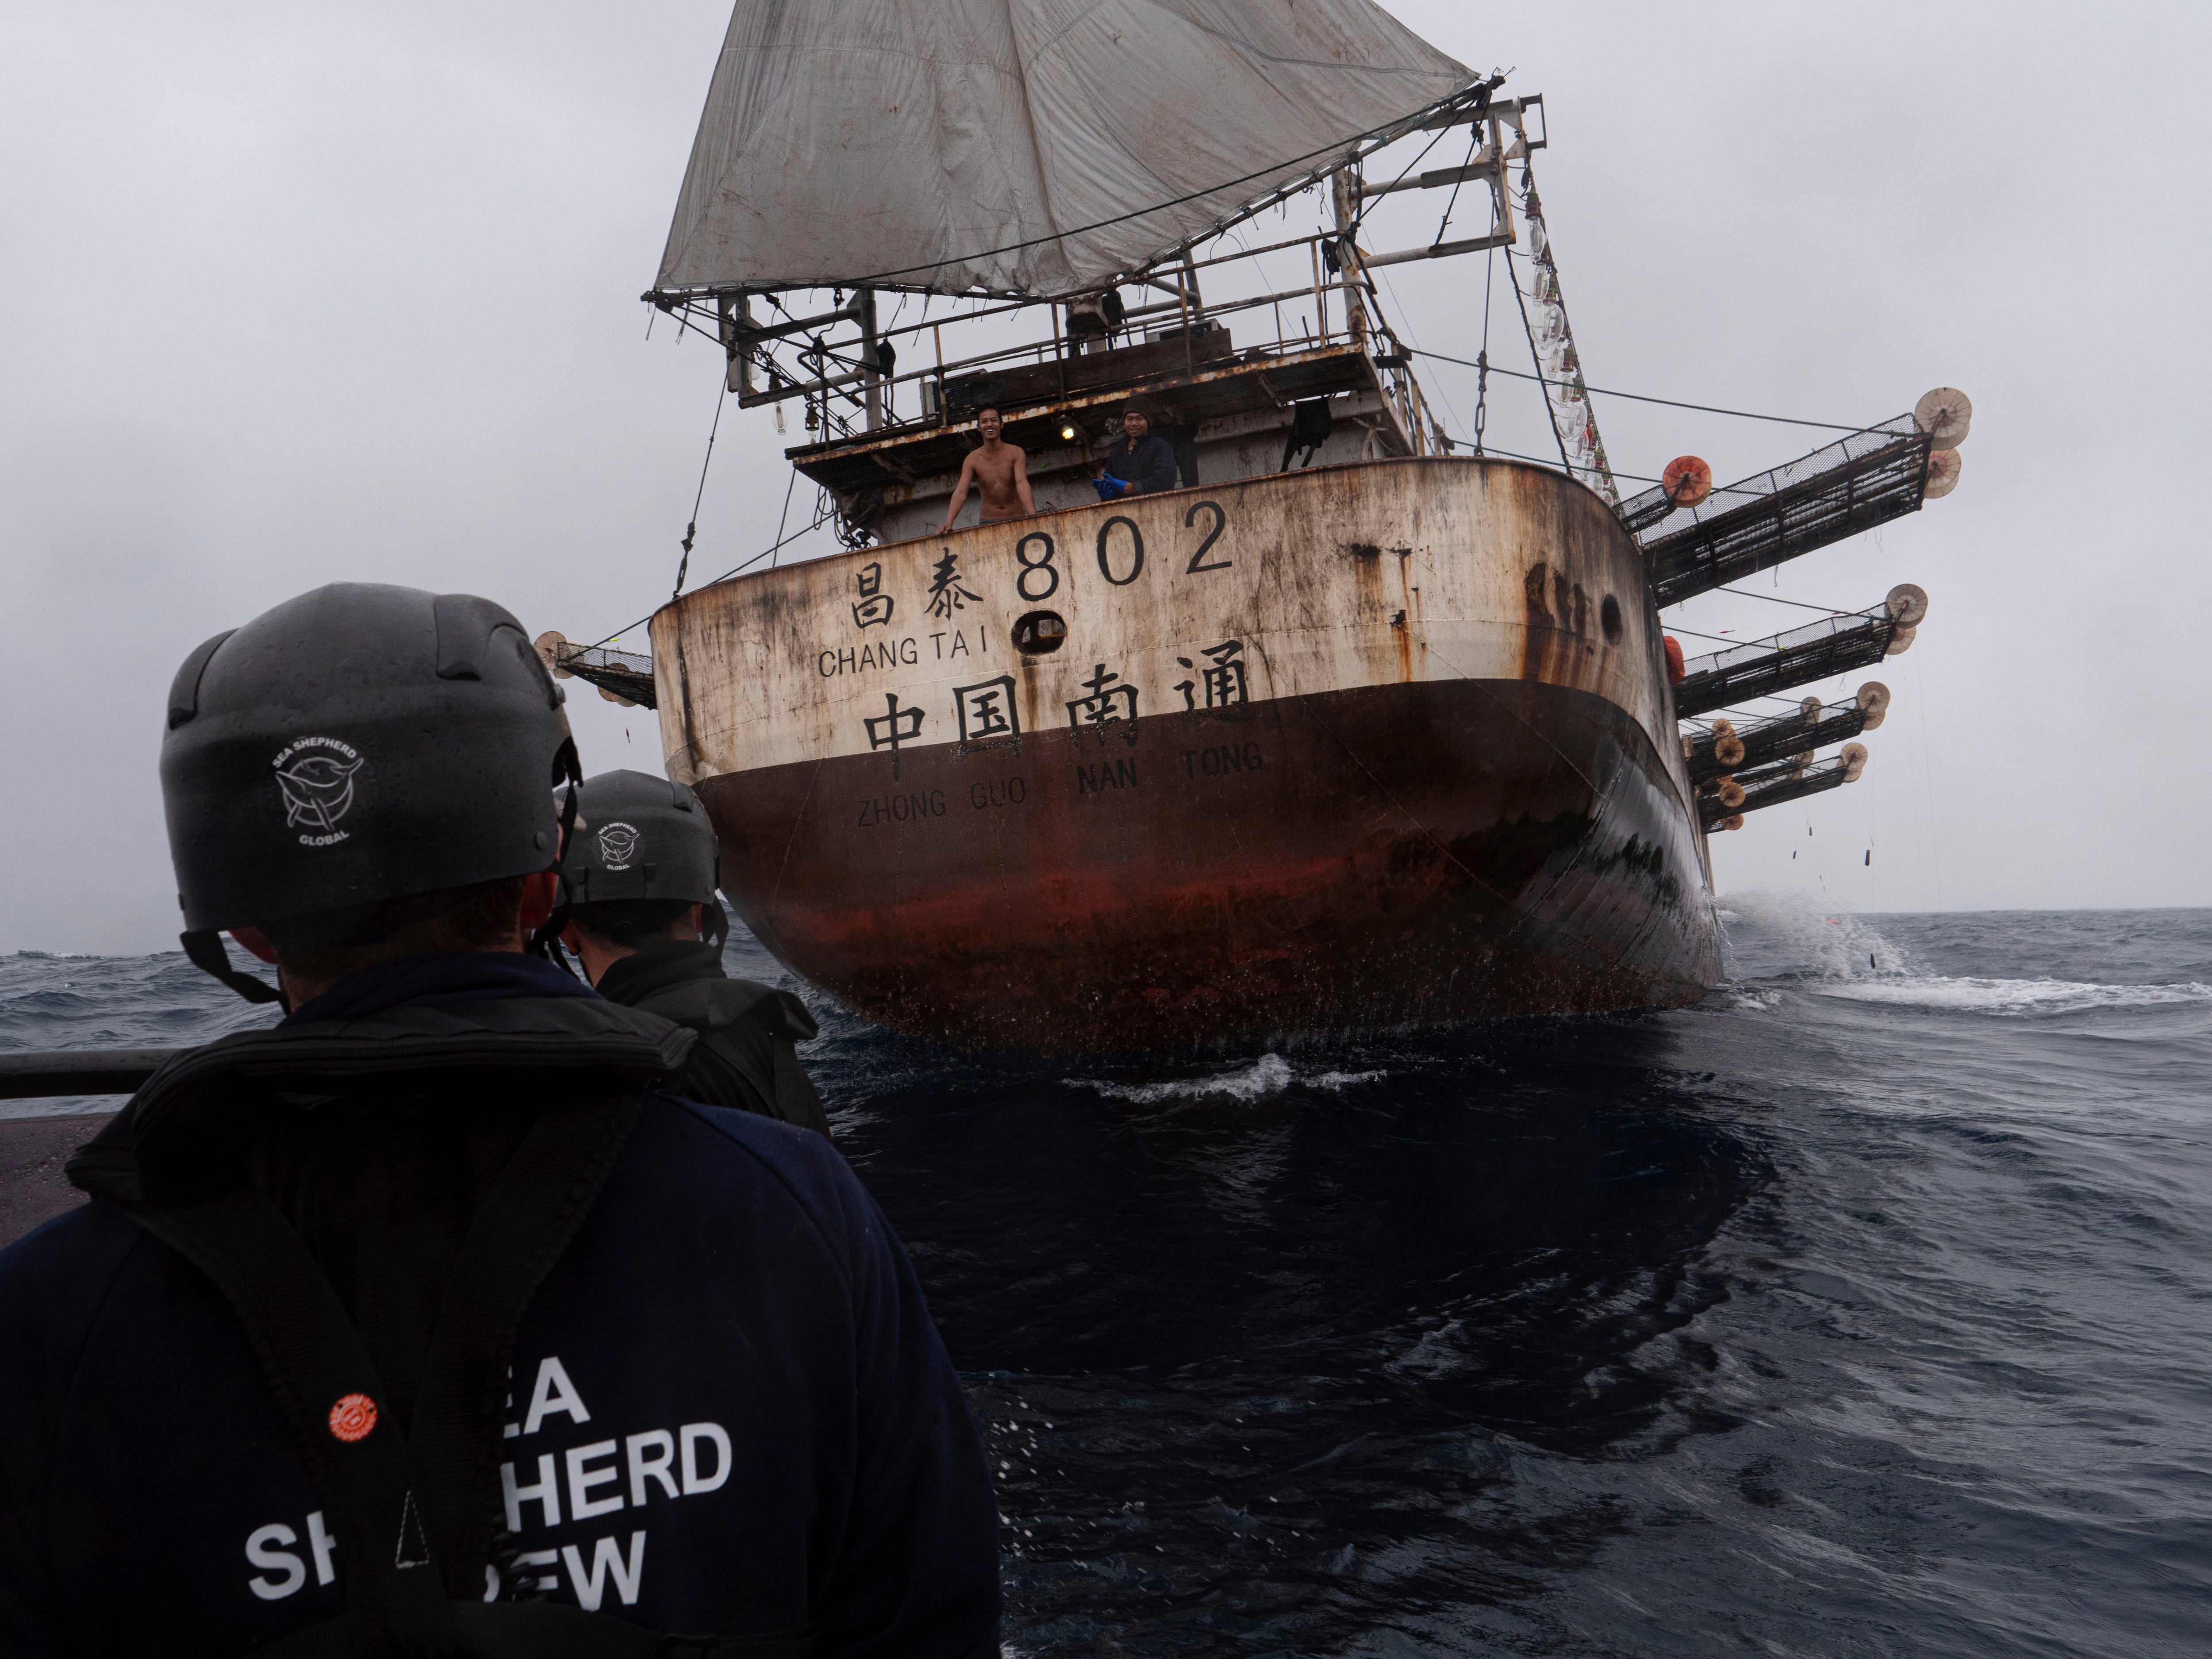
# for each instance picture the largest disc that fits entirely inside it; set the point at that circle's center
(625, 674)
(1771, 741)
(1762, 668)
(1787, 784)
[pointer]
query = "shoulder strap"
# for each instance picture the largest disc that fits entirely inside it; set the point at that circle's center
(320, 1375)
(796, 1098)
(392, 1500)
(525, 1221)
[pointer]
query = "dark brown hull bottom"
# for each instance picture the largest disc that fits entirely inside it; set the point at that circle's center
(1411, 855)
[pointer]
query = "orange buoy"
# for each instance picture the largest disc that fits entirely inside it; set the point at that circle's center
(1688, 480)
(1675, 668)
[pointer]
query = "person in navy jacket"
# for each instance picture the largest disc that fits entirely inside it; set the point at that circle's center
(429, 1321)
(1142, 462)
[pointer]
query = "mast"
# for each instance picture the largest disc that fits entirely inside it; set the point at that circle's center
(1344, 200)
(872, 345)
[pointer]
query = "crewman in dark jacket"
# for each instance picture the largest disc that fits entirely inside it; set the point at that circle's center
(1141, 464)
(429, 1321)
(646, 920)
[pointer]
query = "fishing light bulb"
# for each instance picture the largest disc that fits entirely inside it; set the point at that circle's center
(1067, 434)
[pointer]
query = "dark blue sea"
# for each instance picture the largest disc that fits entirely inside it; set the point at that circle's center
(1865, 1308)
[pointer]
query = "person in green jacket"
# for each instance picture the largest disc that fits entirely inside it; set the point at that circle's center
(647, 923)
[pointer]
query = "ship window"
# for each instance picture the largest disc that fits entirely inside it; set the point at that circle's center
(1609, 616)
(1039, 634)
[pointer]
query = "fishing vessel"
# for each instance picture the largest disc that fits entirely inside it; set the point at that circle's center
(1358, 725)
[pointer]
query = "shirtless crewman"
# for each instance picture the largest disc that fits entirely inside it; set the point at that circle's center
(999, 470)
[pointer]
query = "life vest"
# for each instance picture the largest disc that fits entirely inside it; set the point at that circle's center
(420, 1504)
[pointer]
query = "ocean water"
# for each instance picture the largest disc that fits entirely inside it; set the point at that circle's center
(1865, 1308)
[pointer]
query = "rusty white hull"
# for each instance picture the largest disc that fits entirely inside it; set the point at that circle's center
(1376, 745)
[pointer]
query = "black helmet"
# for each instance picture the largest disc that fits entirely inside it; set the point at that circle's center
(641, 837)
(357, 744)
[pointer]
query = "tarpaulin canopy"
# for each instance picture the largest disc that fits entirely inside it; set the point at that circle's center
(1019, 147)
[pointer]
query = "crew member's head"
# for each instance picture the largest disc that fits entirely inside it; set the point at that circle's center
(1136, 421)
(361, 775)
(988, 423)
(641, 869)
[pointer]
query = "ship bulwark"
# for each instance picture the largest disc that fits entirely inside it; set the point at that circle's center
(1373, 746)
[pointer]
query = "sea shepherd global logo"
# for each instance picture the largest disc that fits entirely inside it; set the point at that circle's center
(319, 778)
(617, 845)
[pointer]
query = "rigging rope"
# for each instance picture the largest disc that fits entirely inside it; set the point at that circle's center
(1352, 231)
(691, 530)
(1482, 357)
(784, 517)
(1473, 142)
(1637, 397)
(1775, 598)
(765, 552)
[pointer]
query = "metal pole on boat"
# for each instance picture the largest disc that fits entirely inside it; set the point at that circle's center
(1347, 258)
(872, 382)
(1321, 299)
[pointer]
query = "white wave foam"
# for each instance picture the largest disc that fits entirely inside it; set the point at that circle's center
(1332, 1081)
(1772, 935)
(2014, 998)
(1270, 1074)
(1437, 1354)
(1745, 1000)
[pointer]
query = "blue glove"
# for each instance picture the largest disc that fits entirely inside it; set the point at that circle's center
(1109, 486)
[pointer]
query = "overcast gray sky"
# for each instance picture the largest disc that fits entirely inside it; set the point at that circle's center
(292, 295)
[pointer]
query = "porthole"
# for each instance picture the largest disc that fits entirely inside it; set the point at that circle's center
(1040, 634)
(1609, 615)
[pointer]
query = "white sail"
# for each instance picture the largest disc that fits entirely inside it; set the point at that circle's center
(1030, 146)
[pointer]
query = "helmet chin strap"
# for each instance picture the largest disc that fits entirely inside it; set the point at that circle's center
(545, 943)
(714, 922)
(205, 947)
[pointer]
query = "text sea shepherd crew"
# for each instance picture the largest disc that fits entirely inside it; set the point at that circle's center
(434, 1320)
